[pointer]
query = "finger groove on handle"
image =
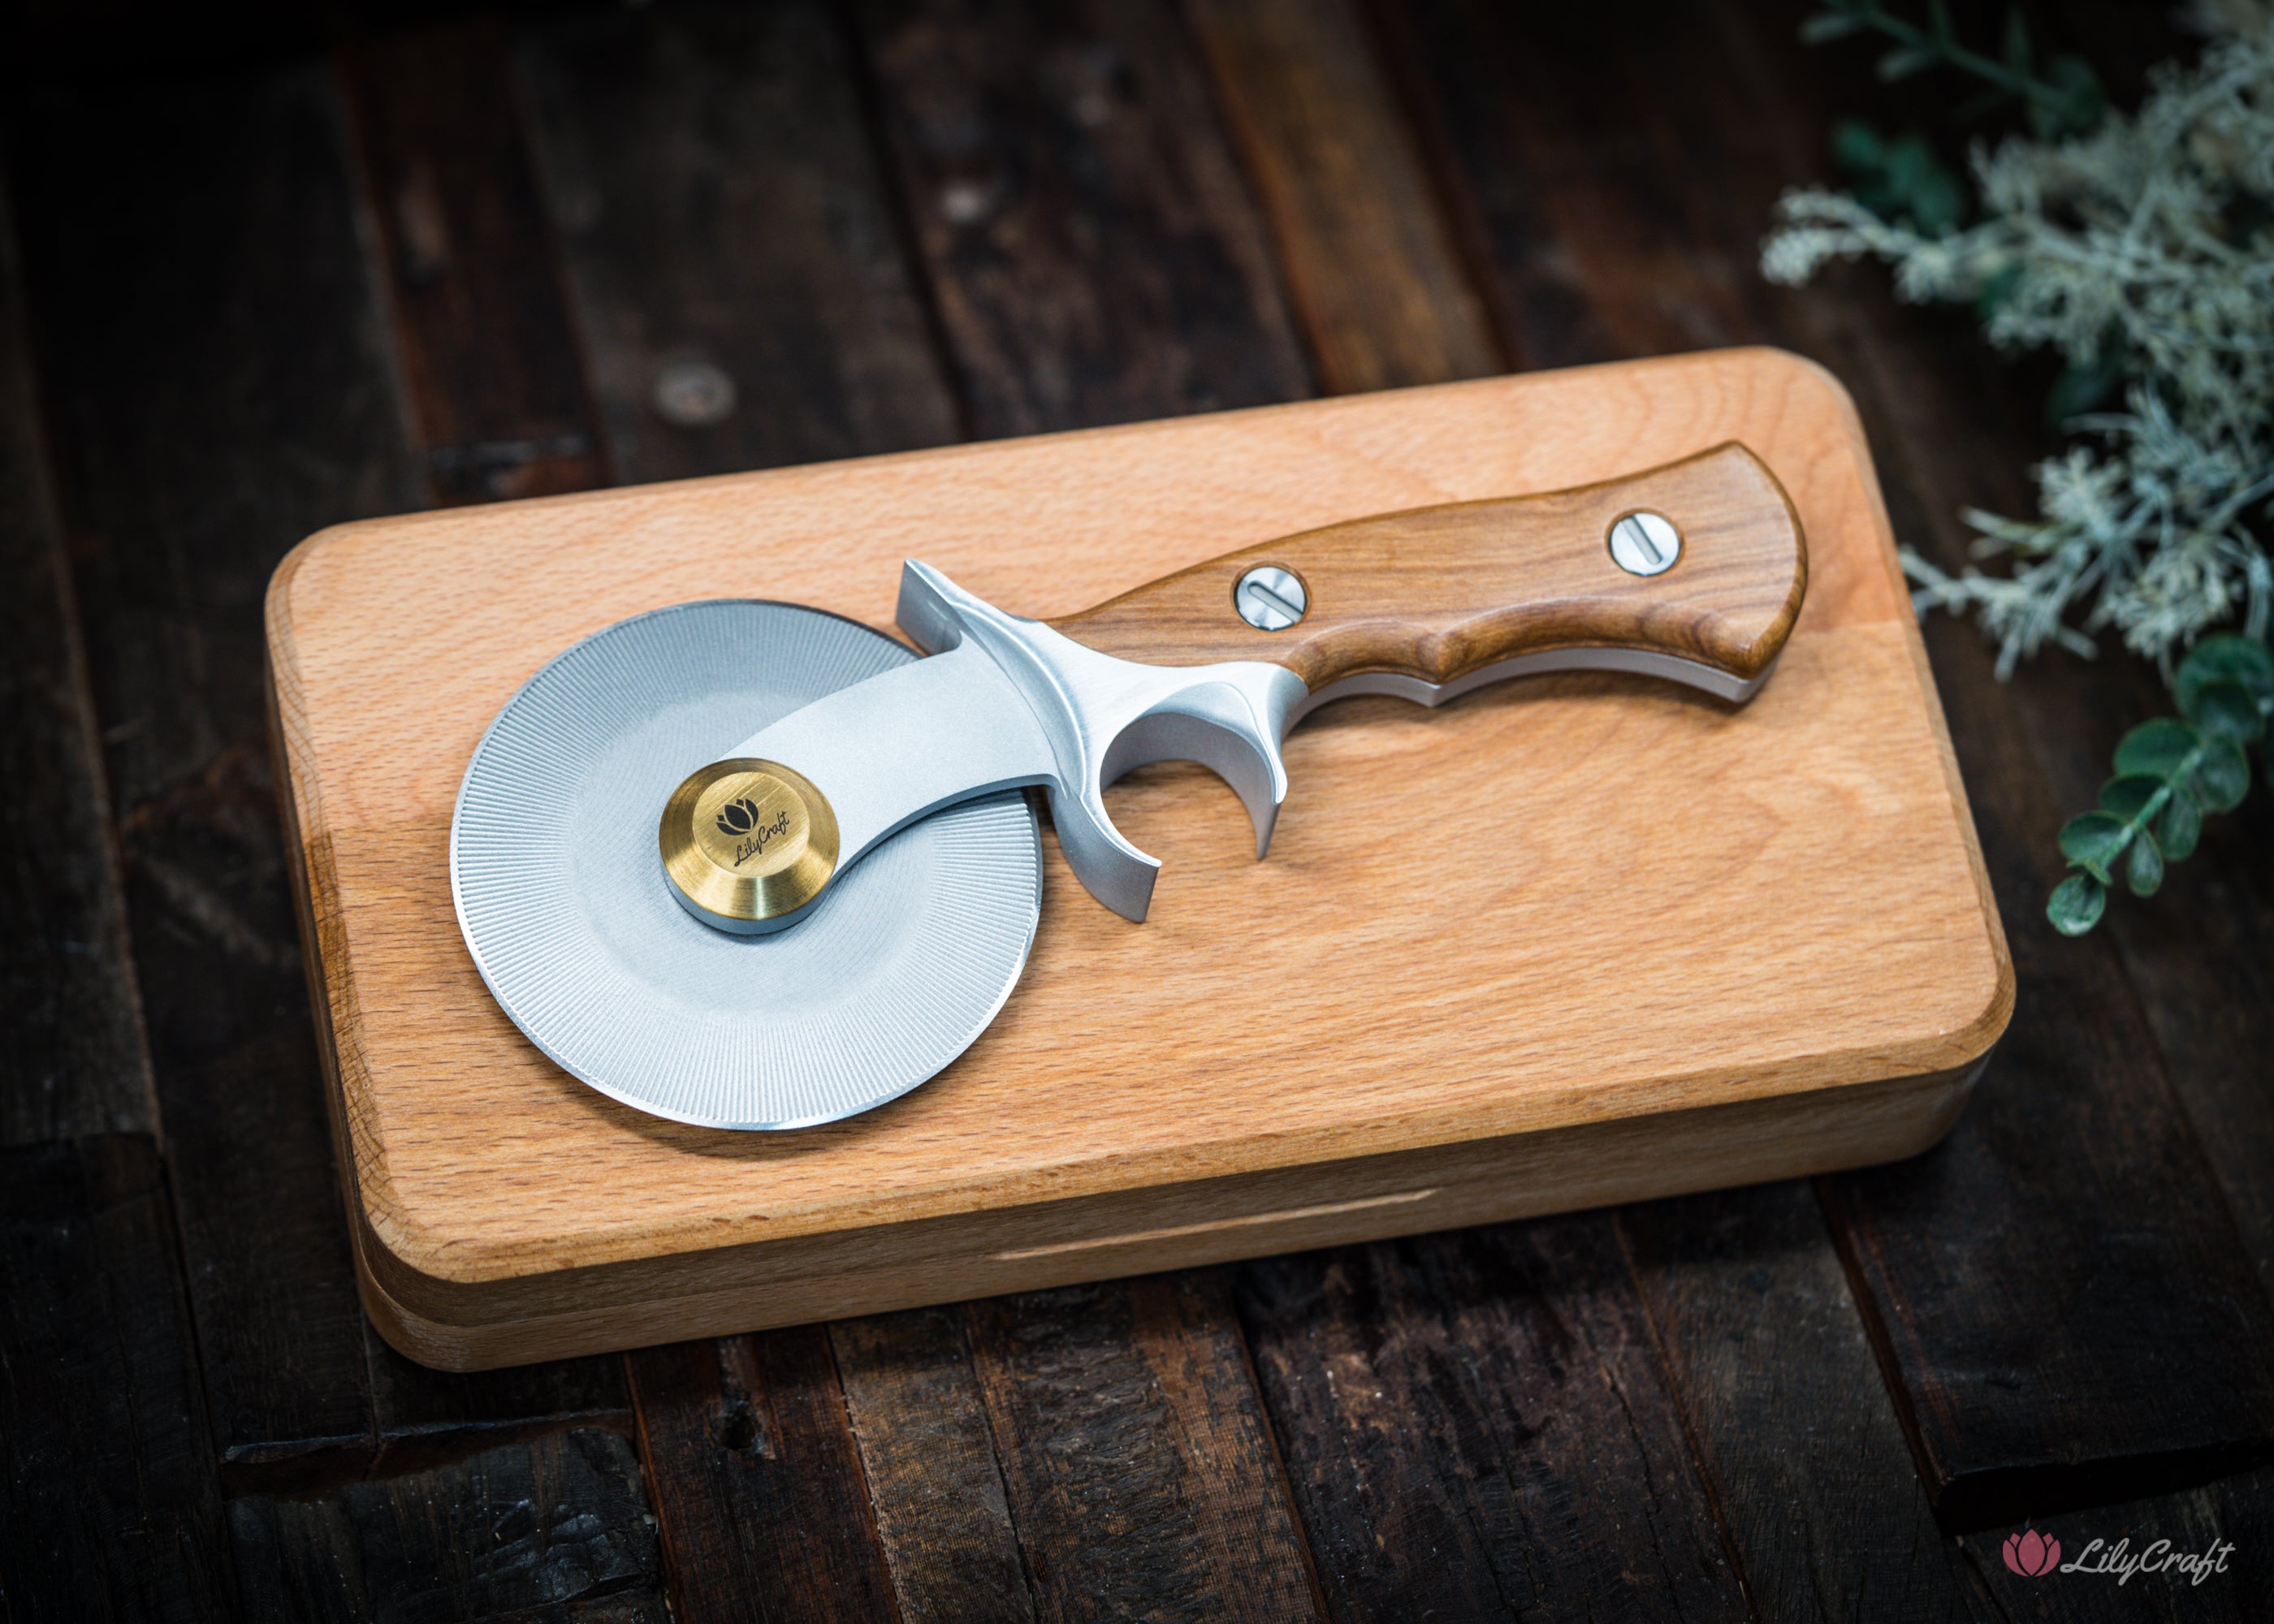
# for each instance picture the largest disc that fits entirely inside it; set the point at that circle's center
(1436, 593)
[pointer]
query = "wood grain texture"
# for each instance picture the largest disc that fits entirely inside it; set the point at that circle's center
(376, 760)
(488, 349)
(1489, 1434)
(1376, 279)
(718, 205)
(1091, 251)
(2043, 1166)
(1438, 593)
(930, 1458)
(71, 1048)
(766, 1515)
(1166, 1501)
(557, 1529)
(1792, 1429)
(111, 1505)
(202, 420)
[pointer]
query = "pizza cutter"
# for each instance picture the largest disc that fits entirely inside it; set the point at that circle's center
(752, 865)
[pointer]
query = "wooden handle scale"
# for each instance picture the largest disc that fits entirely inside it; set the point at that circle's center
(1434, 600)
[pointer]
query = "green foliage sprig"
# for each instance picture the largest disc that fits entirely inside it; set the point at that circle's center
(2139, 248)
(2063, 95)
(2169, 772)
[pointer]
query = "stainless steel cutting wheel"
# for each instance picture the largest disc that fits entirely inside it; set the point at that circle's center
(563, 897)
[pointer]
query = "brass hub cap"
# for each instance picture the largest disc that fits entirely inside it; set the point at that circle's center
(746, 840)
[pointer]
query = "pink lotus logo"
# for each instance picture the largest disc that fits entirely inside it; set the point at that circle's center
(2030, 1553)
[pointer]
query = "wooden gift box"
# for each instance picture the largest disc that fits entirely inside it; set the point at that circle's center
(1660, 943)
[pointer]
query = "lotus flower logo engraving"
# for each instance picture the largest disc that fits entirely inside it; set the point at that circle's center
(738, 817)
(745, 820)
(2031, 1554)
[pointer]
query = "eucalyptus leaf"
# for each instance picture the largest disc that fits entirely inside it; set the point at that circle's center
(1939, 203)
(2226, 657)
(2224, 710)
(2077, 905)
(2128, 796)
(2085, 385)
(1907, 60)
(1996, 288)
(2222, 778)
(1828, 25)
(2143, 865)
(2093, 841)
(2017, 50)
(2161, 746)
(2083, 101)
(2179, 826)
(1857, 148)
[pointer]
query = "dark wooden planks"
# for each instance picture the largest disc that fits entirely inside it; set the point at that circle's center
(422, 1415)
(1094, 254)
(219, 388)
(1477, 1427)
(734, 263)
(2057, 1291)
(206, 419)
(487, 350)
(1786, 1413)
(2200, 959)
(71, 1050)
(558, 1530)
(1141, 1477)
(1371, 264)
(942, 1516)
(109, 1505)
(765, 1514)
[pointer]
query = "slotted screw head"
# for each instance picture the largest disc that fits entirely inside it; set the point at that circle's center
(1269, 598)
(1646, 544)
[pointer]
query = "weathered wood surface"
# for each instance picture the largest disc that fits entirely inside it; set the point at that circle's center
(557, 1529)
(487, 350)
(1478, 1426)
(202, 418)
(275, 351)
(764, 1509)
(1092, 250)
(1371, 265)
(110, 1504)
(1751, 1311)
(723, 219)
(71, 1045)
(1991, 1266)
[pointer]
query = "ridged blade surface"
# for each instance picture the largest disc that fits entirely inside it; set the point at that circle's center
(562, 899)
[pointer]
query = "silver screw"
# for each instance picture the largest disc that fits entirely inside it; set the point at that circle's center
(1646, 544)
(1269, 598)
(694, 394)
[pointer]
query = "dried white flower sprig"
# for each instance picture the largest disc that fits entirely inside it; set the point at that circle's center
(2140, 248)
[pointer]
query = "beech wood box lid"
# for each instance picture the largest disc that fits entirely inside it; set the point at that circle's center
(1638, 900)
